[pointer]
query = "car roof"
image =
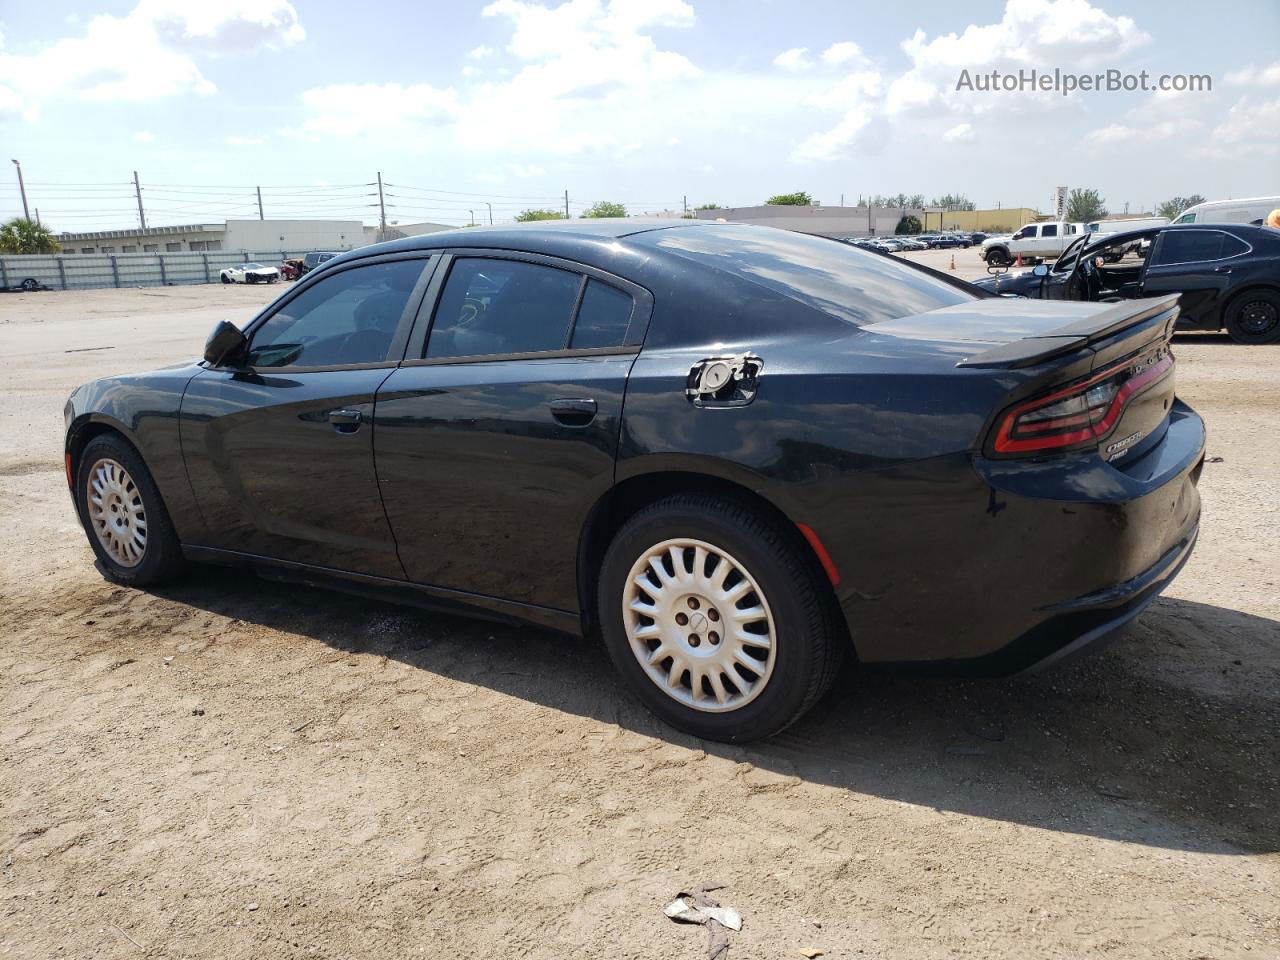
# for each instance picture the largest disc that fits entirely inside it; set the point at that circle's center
(1244, 231)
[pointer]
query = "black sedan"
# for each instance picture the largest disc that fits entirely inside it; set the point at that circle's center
(1228, 275)
(949, 240)
(737, 454)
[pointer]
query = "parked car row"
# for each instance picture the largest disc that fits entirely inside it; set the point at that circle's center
(293, 268)
(922, 241)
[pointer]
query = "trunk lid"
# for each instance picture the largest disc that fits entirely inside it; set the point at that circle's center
(1047, 353)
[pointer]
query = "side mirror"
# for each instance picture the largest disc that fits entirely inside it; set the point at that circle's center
(1041, 270)
(223, 344)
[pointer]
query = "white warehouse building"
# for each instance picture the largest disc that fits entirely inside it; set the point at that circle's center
(249, 236)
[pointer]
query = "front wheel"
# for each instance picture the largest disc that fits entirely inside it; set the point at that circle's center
(225, 278)
(998, 258)
(716, 618)
(124, 516)
(1254, 317)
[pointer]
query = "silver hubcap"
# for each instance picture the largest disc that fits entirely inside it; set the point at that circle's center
(699, 625)
(116, 513)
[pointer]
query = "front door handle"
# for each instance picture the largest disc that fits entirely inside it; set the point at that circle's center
(574, 412)
(346, 420)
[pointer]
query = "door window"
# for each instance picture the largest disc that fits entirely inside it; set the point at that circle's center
(1190, 246)
(1049, 230)
(1025, 233)
(603, 317)
(348, 317)
(491, 306)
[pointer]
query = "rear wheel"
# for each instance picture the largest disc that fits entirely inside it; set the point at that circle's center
(124, 516)
(715, 618)
(1254, 317)
(225, 278)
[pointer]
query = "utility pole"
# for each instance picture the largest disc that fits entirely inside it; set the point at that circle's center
(137, 189)
(566, 202)
(473, 218)
(38, 217)
(490, 206)
(260, 216)
(842, 199)
(684, 201)
(23, 190)
(382, 210)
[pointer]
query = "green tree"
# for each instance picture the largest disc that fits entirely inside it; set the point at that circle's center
(20, 235)
(1083, 205)
(707, 206)
(1171, 208)
(605, 208)
(798, 199)
(525, 216)
(953, 201)
(908, 224)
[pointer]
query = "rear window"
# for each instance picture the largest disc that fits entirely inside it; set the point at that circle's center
(836, 278)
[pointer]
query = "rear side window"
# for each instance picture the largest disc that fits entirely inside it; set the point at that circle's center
(1190, 246)
(1232, 246)
(1049, 230)
(491, 306)
(841, 280)
(603, 317)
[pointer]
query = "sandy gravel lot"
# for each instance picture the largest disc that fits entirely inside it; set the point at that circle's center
(232, 768)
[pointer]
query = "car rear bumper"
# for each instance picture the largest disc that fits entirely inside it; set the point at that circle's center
(995, 567)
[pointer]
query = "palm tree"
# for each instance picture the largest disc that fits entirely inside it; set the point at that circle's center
(20, 235)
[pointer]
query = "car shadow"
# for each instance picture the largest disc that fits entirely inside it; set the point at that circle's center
(1165, 739)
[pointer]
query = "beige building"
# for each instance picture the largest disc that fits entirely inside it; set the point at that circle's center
(1002, 220)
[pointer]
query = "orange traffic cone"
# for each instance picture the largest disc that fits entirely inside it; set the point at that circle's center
(1018, 262)
(953, 261)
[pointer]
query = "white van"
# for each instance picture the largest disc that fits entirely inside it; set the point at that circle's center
(1230, 211)
(1122, 225)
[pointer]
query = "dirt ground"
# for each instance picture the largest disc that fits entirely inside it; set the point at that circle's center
(232, 768)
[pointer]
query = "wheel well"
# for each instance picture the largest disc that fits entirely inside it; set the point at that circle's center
(81, 439)
(1235, 298)
(627, 498)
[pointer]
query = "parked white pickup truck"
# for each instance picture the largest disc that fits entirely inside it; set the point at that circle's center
(1035, 241)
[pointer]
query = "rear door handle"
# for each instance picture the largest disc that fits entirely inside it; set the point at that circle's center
(573, 412)
(345, 420)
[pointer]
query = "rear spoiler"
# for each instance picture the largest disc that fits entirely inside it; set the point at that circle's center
(1079, 333)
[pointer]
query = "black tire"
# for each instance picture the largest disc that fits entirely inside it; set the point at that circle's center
(1253, 317)
(998, 257)
(225, 278)
(162, 555)
(809, 645)
(30, 284)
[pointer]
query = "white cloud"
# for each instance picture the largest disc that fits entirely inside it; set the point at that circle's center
(523, 170)
(347, 109)
(1262, 76)
(960, 133)
(146, 54)
(843, 52)
(1072, 34)
(480, 52)
(238, 141)
(1250, 122)
(832, 142)
(1119, 133)
(225, 26)
(144, 136)
(797, 58)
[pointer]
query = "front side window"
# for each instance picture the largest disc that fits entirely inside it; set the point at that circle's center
(1025, 233)
(1186, 218)
(491, 306)
(348, 317)
(1190, 246)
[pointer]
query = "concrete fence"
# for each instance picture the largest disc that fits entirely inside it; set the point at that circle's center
(80, 271)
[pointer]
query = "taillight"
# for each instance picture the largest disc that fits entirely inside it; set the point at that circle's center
(1080, 413)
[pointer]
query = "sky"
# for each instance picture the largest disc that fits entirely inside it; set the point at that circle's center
(502, 105)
